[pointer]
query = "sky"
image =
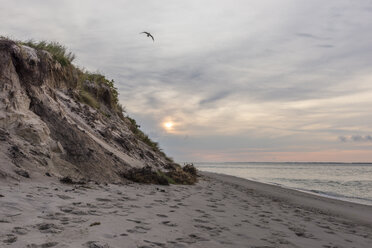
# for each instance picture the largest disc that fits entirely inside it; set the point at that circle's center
(225, 80)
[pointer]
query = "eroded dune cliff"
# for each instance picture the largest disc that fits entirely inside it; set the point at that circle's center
(57, 120)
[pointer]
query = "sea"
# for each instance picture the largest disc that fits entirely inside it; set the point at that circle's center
(344, 181)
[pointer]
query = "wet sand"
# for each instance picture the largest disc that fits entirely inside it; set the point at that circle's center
(219, 211)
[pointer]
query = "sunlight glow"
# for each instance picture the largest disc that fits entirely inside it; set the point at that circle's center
(168, 125)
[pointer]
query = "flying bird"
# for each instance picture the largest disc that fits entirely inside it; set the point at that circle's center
(148, 35)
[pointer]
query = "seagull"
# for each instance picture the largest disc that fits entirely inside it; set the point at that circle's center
(148, 35)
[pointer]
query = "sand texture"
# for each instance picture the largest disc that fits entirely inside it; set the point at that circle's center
(219, 211)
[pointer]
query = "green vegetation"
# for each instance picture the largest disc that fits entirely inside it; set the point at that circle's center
(147, 175)
(99, 80)
(181, 175)
(190, 168)
(168, 178)
(58, 51)
(87, 98)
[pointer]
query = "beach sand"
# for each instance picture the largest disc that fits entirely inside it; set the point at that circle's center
(219, 211)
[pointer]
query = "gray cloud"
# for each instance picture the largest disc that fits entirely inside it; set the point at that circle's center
(356, 138)
(342, 138)
(284, 71)
(306, 35)
(215, 97)
(326, 46)
(359, 138)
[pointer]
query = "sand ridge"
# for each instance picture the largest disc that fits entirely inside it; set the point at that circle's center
(219, 211)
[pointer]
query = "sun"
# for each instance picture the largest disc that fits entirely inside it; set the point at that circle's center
(168, 125)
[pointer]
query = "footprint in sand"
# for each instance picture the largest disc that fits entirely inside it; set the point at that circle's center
(78, 220)
(95, 244)
(44, 245)
(201, 221)
(103, 200)
(66, 209)
(192, 238)
(65, 197)
(325, 226)
(138, 221)
(10, 238)
(162, 215)
(126, 198)
(49, 228)
(212, 230)
(155, 243)
(52, 216)
(3, 220)
(300, 232)
(118, 205)
(200, 211)
(168, 223)
(64, 220)
(207, 216)
(139, 229)
(94, 212)
(265, 246)
(182, 204)
(72, 210)
(20, 230)
(212, 206)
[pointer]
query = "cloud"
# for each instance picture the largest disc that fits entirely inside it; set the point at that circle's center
(359, 138)
(276, 73)
(214, 98)
(356, 138)
(326, 46)
(306, 35)
(342, 138)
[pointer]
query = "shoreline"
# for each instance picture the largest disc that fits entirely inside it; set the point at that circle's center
(330, 195)
(356, 211)
(311, 192)
(219, 211)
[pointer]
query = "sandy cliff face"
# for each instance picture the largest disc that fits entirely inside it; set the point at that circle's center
(45, 128)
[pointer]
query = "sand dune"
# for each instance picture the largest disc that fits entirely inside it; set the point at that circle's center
(219, 211)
